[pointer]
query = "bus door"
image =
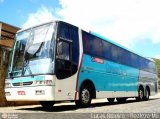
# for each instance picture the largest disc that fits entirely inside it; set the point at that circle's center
(67, 59)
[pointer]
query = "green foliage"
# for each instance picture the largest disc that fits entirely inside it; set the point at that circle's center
(158, 66)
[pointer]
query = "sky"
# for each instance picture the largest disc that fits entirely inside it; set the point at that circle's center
(135, 24)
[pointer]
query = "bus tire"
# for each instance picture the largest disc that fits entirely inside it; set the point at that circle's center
(47, 104)
(146, 97)
(110, 100)
(140, 94)
(121, 100)
(85, 97)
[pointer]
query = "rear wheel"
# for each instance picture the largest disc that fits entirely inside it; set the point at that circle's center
(140, 94)
(47, 104)
(146, 94)
(110, 100)
(121, 100)
(85, 97)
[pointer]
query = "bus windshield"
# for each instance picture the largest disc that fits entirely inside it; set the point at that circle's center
(33, 52)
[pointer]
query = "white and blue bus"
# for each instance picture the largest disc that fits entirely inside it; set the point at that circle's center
(57, 61)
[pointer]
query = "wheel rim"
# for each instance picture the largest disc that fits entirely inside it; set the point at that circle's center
(141, 94)
(85, 96)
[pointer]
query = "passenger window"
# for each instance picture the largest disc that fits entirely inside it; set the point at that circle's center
(92, 45)
(96, 46)
(86, 42)
(106, 50)
(114, 53)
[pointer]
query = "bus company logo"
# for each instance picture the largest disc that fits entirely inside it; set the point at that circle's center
(4, 116)
(98, 60)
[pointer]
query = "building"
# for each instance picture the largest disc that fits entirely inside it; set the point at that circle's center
(7, 35)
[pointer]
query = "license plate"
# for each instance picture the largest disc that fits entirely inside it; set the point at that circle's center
(21, 92)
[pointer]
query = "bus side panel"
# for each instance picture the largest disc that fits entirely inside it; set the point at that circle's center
(148, 79)
(110, 79)
(96, 72)
(130, 75)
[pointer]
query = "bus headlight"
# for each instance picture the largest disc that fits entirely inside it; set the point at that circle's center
(7, 85)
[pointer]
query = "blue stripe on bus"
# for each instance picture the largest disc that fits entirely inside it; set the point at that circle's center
(109, 76)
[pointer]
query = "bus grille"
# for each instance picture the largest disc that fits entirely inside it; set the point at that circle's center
(23, 83)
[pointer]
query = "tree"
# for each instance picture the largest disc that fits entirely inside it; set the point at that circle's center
(157, 61)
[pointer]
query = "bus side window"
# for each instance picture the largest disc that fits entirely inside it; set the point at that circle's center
(86, 42)
(96, 44)
(114, 53)
(106, 50)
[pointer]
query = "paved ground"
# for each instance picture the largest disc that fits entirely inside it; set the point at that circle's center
(98, 106)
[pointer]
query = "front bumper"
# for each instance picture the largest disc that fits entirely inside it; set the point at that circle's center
(37, 93)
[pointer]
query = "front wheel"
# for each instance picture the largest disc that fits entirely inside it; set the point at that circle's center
(47, 104)
(85, 97)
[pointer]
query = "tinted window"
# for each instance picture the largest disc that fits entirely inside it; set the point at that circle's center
(124, 56)
(75, 44)
(134, 60)
(106, 50)
(69, 32)
(86, 42)
(96, 46)
(152, 67)
(114, 53)
(64, 31)
(92, 45)
(141, 63)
